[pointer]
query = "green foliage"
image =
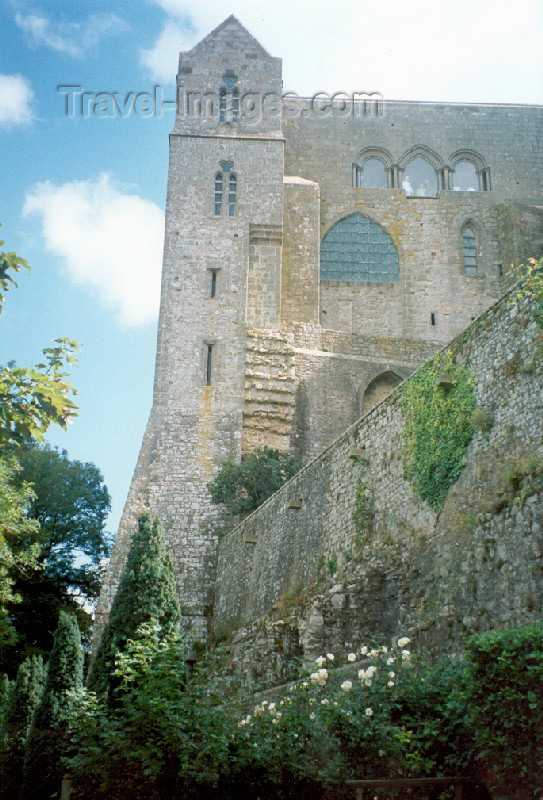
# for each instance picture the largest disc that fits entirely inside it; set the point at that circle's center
(6, 689)
(31, 398)
(504, 697)
(482, 420)
(46, 745)
(18, 541)
(331, 566)
(9, 264)
(164, 735)
(532, 285)
(389, 718)
(438, 403)
(243, 487)
(146, 592)
(169, 734)
(70, 505)
(26, 696)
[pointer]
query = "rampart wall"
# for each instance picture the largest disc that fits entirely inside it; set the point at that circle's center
(297, 576)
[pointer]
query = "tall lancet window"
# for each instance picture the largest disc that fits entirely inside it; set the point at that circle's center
(232, 192)
(469, 248)
(218, 193)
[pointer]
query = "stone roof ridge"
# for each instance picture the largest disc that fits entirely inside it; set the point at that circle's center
(228, 21)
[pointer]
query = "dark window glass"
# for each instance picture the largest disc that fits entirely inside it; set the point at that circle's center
(358, 249)
(218, 193)
(465, 178)
(232, 189)
(222, 105)
(372, 174)
(419, 179)
(469, 246)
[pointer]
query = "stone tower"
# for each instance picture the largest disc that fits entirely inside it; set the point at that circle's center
(303, 278)
(223, 214)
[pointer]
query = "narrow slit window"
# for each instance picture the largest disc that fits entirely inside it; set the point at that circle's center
(232, 190)
(218, 193)
(432, 318)
(209, 364)
(213, 282)
(469, 248)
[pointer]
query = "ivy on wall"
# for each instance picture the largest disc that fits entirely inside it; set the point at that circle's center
(438, 405)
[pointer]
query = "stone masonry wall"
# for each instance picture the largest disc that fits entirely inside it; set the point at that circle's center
(296, 578)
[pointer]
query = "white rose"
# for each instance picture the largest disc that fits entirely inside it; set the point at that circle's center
(369, 712)
(320, 661)
(364, 650)
(403, 642)
(390, 683)
(347, 686)
(351, 657)
(330, 656)
(390, 661)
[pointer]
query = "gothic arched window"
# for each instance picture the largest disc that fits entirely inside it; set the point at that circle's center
(372, 174)
(465, 178)
(469, 250)
(232, 190)
(419, 178)
(218, 193)
(358, 249)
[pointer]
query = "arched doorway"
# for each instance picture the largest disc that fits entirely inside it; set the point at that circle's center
(379, 388)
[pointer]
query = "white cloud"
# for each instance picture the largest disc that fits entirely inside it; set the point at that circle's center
(161, 59)
(69, 38)
(108, 239)
(422, 50)
(15, 100)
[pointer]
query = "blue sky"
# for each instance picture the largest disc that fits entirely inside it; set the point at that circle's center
(83, 197)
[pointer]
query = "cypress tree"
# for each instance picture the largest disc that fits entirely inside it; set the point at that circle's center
(146, 592)
(6, 687)
(43, 769)
(25, 698)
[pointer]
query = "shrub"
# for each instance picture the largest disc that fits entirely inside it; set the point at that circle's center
(243, 487)
(504, 696)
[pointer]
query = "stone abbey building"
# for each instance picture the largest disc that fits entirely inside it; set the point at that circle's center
(316, 253)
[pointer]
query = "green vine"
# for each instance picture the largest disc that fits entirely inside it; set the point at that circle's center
(438, 405)
(532, 286)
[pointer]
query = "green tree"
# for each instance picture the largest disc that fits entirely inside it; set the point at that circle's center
(20, 714)
(31, 398)
(46, 745)
(18, 541)
(6, 687)
(70, 505)
(146, 592)
(243, 487)
(166, 734)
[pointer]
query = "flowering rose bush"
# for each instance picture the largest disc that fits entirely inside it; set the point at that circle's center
(333, 726)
